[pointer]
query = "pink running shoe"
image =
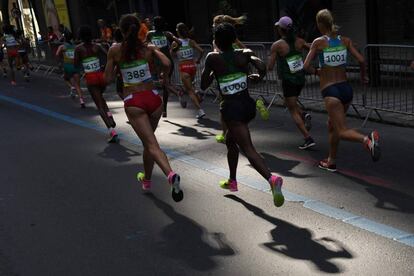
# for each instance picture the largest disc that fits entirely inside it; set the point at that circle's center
(229, 184)
(146, 184)
(276, 183)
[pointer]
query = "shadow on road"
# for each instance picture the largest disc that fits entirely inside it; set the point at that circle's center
(186, 240)
(208, 123)
(298, 243)
(118, 153)
(282, 166)
(190, 131)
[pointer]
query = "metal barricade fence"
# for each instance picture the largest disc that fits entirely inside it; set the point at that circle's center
(391, 85)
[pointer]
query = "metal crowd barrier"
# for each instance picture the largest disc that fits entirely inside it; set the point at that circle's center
(391, 86)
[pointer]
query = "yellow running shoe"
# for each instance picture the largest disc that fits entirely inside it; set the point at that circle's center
(220, 138)
(264, 112)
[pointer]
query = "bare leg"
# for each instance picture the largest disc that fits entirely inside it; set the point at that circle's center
(240, 133)
(188, 86)
(232, 156)
(96, 93)
(296, 113)
(144, 128)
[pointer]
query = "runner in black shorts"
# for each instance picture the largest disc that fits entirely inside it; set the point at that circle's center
(288, 53)
(332, 51)
(231, 69)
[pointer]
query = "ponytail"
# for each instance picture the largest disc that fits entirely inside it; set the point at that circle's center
(325, 18)
(131, 44)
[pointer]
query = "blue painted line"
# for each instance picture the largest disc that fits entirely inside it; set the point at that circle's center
(314, 205)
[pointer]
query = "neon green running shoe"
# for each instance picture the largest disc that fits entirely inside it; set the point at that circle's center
(146, 184)
(264, 112)
(229, 185)
(276, 183)
(220, 138)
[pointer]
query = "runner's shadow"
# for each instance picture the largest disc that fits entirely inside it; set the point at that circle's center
(282, 166)
(186, 240)
(298, 243)
(119, 153)
(208, 123)
(190, 132)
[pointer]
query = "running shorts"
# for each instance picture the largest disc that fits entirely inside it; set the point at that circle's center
(239, 107)
(290, 89)
(95, 79)
(188, 68)
(149, 101)
(342, 91)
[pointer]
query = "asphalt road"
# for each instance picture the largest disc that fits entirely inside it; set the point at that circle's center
(70, 203)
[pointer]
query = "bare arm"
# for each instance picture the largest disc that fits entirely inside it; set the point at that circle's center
(207, 76)
(309, 58)
(258, 64)
(199, 49)
(165, 63)
(173, 38)
(240, 44)
(272, 58)
(109, 74)
(360, 58)
(59, 52)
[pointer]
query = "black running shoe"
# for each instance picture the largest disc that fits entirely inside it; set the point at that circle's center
(176, 192)
(307, 119)
(309, 142)
(373, 145)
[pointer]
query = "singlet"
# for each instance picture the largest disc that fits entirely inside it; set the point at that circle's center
(135, 72)
(10, 40)
(92, 63)
(69, 53)
(335, 55)
(290, 67)
(235, 81)
(185, 52)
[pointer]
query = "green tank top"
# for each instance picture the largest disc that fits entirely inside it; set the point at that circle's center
(290, 67)
(235, 81)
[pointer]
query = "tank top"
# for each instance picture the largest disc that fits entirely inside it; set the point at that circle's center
(185, 52)
(10, 40)
(290, 67)
(135, 72)
(235, 81)
(335, 55)
(91, 64)
(69, 53)
(158, 39)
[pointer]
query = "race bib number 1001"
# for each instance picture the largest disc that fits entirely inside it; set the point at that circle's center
(233, 83)
(295, 63)
(335, 56)
(91, 65)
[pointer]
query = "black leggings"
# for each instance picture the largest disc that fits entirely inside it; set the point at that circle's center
(238, 136)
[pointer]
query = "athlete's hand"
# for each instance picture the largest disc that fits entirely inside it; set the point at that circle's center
(255, 78)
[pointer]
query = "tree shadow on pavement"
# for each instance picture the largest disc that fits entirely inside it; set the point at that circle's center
(298, 243)
(190, 131)
(188, 241)
(282, 166)
(119, 153)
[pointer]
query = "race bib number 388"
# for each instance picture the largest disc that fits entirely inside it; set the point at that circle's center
(335, 56)
(91, 65)
(233, 83)
(295, 63)
(135, 72)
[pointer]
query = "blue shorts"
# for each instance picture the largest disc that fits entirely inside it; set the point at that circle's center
(342, 91)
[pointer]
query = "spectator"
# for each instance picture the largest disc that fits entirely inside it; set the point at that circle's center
(145, 28)
(105, 31)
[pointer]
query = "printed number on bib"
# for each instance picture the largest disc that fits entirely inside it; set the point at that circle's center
(233, 83)
(91, 65)
(295, 63)
(160, 41)
(135, 72)
(335, 56)
(186, 53)
(70, 54)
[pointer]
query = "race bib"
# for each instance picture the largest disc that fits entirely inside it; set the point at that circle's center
(185, 53)
(70, 53)
(10, 41)
(233, 83)
(135, 72)
(91, 65)
(159, 41)
(335, 56)
(295, 63)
